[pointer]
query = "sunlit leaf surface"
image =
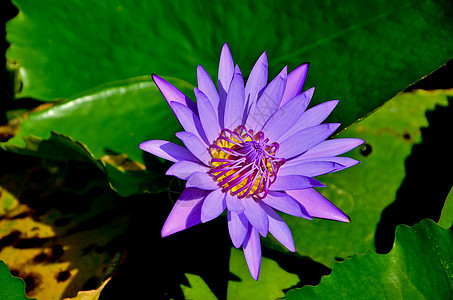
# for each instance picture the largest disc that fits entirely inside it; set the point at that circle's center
(363, 191)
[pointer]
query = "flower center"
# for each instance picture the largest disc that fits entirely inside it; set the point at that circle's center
(244, 163)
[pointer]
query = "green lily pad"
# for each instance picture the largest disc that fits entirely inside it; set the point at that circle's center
(11, 288)
(360, 55)
(197, 289)
(272, 281)
(270, 285)
(418, 267)
(446, 217)
(364, 190)
(104, 126)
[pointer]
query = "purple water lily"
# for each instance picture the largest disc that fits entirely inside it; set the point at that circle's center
(252, 150)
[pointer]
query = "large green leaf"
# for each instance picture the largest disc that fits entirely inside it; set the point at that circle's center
(113, 118)
(363, 191)
(11, 288)
(418, 267)
(361, 52)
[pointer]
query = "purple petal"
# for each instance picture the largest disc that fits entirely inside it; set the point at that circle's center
(168, 151)
(285, 117)
(294, 182)
(172, 94)
(340, 161)
(237, 226)
(279, 229)
(185, 168)
(268, 102)
(316, 115)
(206, 85)
(332, 147)
(208, 116)
(226, 71)
(234, 106)
(213, 205)
(286, 204)
(252, 251)
(256, 215)
(197, 147)
(318, 206)
(234, 203)
(202, 181)
(312, 117)
(305, 139)
(310, 168)
(295, 83)
(255, 83)
(189, 121)
(186, 211)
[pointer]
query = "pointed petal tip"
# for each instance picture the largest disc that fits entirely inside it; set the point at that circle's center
(226, 49)
(164, 233)
(143, 145)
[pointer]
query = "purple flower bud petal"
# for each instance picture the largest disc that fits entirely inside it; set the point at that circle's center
(310, 168)
(208, 116)
(317, 205)
(226, 71)
(185, 168)
(285, 117)
(237, 227)
(213, 205)
(206, 85)
(312, 117)
(286, 204)
(332, 148)
(294, 182)
(279, 229)
(305, 139)
(234, 107)
(186, 211)
(295, 83)
(268, 102)
(202, 181)
(189, 121)
(197, 147)
(172, 94)
(234, 203)
(168, 151)
(256, 215)
(255, 83)
(252, 251)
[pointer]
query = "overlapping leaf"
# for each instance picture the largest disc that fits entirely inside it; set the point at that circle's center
(418, 267)
(271, 285)
(62, 226)
(11, 288)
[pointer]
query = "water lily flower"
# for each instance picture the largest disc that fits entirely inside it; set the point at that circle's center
(252, 150)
